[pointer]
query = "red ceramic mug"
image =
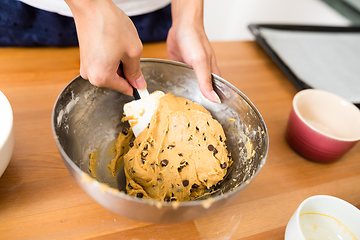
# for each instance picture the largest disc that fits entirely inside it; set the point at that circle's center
(322, 126)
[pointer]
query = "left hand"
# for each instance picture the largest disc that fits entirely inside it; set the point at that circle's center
(187, 42)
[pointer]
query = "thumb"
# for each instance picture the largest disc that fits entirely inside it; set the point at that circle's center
(132, 72)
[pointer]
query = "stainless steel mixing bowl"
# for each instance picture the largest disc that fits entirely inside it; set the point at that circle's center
(87, 118)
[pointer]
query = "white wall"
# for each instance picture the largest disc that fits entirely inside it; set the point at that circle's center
(227, 20)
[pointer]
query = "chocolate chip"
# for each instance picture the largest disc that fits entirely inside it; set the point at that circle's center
(131, 143)
(142, 160)
(215, 151)
(146, 146)
(171, 147)
(185, 183)
(164, 162)
(129, 185)
(204, 138)
(167, 199)
(183, 163)
(144, 153)
(139, 195)
(224, 165)
(180, 154)
(220, 138)
(195, 186)
(124, 131)
(211, 147)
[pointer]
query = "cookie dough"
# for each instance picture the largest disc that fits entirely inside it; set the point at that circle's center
(180, 155)
(121, 148)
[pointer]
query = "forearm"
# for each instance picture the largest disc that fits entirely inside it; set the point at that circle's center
(86, 12)
(85, 7)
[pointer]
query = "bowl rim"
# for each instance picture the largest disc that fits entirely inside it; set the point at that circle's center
(324, 198)
(332, 95)
(160, 204)
(6, 121)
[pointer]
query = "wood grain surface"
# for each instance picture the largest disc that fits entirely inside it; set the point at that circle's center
(40, 200)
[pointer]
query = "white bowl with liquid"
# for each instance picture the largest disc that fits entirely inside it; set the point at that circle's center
(324, 217)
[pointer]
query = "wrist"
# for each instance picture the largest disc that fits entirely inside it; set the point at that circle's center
(188, 12)
(85, 7)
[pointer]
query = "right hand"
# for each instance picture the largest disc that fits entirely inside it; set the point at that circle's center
(187, 42)
(107, 37)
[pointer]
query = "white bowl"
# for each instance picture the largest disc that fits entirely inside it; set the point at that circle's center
(7, 138)
(324, 217)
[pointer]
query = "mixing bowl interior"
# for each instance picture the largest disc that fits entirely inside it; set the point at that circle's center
(88, 119)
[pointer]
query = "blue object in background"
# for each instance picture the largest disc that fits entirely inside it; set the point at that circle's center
(22, 25)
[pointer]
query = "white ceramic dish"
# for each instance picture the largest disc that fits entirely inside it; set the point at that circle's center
(324, 217)
(7, 138)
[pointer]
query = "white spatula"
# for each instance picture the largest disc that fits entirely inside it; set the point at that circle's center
(140, 110)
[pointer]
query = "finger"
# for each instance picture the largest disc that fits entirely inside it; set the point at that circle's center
(203, 74)
(132, 72)
(119, 84)
(214, 67)
(114, 82)
(139, 83)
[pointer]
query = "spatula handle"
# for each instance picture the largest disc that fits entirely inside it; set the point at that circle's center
(136, 92)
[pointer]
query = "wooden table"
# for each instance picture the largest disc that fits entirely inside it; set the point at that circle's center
(40, 200)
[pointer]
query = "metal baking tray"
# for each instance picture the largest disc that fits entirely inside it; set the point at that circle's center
(300, 84)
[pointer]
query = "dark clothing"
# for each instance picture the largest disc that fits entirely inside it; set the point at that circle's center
(26, 26)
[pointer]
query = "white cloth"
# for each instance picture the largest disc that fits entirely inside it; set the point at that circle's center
(130, 7)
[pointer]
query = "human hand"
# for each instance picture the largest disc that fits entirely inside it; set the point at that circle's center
(107, 37)
(187, 42)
